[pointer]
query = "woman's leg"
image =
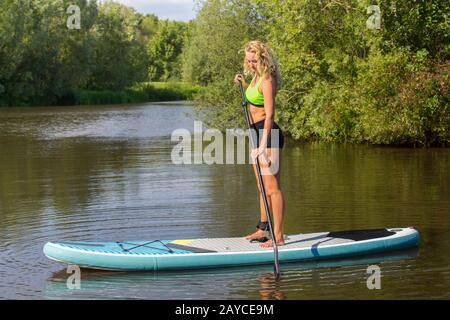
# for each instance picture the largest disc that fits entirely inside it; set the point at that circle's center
(263, 217)
(262, 207)
(275, 198)
(272, 184)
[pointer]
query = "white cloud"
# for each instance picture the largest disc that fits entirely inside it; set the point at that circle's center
(181, 10)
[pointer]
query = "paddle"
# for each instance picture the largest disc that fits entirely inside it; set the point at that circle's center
(263, 190)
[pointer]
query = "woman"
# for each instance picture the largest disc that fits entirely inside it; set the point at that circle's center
(260, 95)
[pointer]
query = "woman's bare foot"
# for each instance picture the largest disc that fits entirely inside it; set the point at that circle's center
(257, 235)
(269, 243)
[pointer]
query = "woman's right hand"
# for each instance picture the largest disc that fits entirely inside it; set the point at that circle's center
(238, 78)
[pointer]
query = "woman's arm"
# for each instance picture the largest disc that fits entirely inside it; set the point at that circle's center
(269, 108)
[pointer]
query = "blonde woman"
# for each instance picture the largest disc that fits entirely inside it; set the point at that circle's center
(260, 95)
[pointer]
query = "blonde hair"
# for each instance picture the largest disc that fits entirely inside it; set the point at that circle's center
(267, 63)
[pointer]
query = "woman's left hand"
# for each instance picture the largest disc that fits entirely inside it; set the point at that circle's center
(261, 151)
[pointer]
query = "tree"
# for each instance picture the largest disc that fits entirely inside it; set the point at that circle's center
(120, 57)
(164, 50)
(40, 59)
(215, 53)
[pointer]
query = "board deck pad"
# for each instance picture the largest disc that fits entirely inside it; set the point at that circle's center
(222, 252)
(242, 245)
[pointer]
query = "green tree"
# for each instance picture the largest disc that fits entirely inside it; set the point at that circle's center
(417, 25)
(164, 51)
(120, 57)
(343, 79)
(40, 59)
(148, 26)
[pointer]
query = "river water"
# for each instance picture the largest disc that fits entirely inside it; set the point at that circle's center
(105, 173)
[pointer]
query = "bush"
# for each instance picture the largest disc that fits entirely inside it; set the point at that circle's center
(142, 92)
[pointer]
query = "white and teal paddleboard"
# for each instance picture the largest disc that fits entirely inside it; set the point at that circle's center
(225, 252)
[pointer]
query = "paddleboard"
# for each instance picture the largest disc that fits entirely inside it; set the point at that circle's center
(225, 252)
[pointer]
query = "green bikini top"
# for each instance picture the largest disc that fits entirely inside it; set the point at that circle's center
(253, 95)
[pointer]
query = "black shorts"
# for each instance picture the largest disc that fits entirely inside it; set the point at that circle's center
(257, 132)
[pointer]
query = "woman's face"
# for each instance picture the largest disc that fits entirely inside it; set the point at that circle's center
(251, 59)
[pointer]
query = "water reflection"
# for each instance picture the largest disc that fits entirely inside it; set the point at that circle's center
(312, 279)
(270, 287)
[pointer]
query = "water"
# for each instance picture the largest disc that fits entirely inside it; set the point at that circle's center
(105, 173)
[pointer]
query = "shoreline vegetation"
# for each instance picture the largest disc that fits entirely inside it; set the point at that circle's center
(357, 71)
(139, 93)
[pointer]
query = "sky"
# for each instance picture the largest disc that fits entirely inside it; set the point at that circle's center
(180, 10)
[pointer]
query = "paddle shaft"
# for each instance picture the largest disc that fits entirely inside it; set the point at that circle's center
(261, 183)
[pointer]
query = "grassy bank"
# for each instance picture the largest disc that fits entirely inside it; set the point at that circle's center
(142, 92)
(139, 93)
